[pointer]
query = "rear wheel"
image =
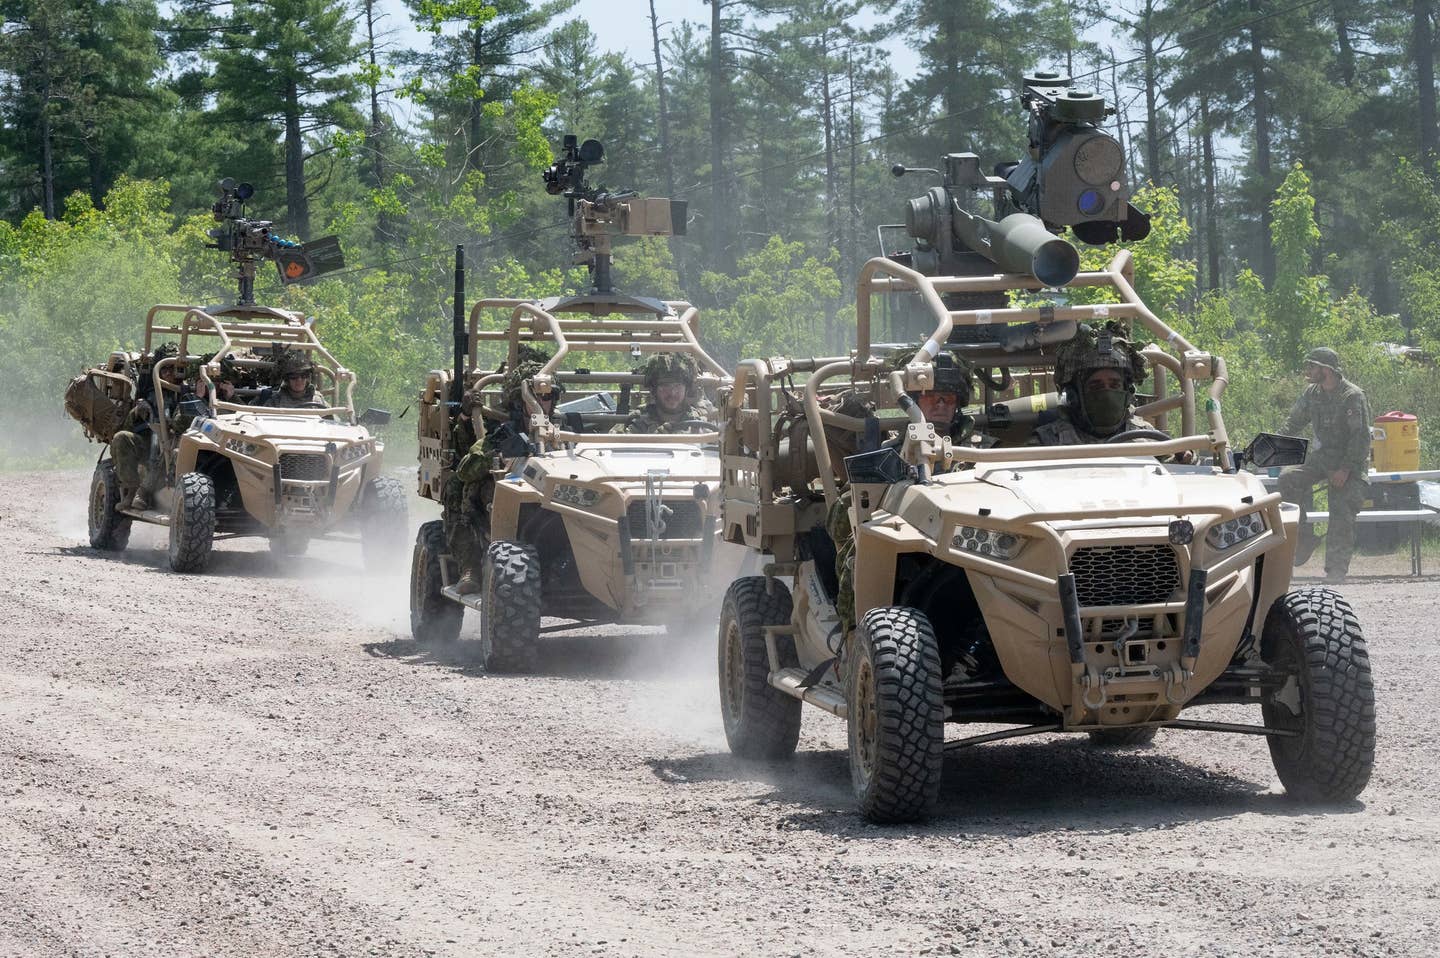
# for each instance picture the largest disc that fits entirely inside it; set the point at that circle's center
(109, 530)
(510, 607)
(896, 715)
(192, 523)
(761, 721)
(383, 522)
(1329, 699)
(433, 617)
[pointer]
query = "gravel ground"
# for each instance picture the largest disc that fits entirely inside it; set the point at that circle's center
(258, 761)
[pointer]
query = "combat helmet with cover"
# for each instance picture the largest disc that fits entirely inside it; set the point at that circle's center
(529, 362)
(291, 361)
(952, 372)
(671, 366)
(1108, 347)
(1323, 356)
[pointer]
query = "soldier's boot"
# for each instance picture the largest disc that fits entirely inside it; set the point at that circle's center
(140, 501)
(469, 583)
(1305, 544)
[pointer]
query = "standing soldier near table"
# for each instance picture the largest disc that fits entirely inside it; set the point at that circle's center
(1336, 411)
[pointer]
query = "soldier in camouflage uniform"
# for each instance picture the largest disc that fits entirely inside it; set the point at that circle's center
(942, 406)
(135, 448)
(294, 387)
(470, 488)
(1096, 373)
(1336, 410)
(675, 396)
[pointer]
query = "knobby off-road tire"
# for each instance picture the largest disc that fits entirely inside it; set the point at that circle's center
(109, 530)
(433, 617)
(383, 522)
(510, 607)
(897, 715)
(1314, 635)
(1123, 737)
(761, 722)
(192, 523)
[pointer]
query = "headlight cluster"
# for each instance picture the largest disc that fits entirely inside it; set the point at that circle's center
(357, 450)
(576, 495)
(243, 447)
(988, 542)
(1232, 532)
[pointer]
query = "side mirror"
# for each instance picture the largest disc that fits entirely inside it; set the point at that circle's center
(1269, 450)
(374, 417)
(884, 465)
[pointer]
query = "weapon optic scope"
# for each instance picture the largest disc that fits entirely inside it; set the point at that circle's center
(1073, 174)
(247, 240)
(598, 214)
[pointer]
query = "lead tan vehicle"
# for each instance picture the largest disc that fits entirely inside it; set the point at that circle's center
(586, 524)
(288, 475)
(1101, 590)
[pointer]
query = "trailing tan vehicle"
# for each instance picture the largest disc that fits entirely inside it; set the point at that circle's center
(1101, 589)
(288, 475)
(585, 523)
(224, 468)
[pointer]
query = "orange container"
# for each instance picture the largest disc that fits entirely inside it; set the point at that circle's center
(1399, 451)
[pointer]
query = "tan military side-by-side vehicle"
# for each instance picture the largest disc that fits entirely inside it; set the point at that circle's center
(585, 524)
(286, 474)
(1100, 589)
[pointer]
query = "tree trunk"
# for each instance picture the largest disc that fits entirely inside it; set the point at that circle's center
(1425, 82)
(721, 258)
(1260, 105)
(472, 144)
(667, 160)
(1344, 45)
(1212, 227)
(385, 225)
(47, 133)
(832, 180)
(93, 166)
(1152, 122)
(295, 200)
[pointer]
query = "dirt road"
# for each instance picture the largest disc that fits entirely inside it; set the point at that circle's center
(258, 761)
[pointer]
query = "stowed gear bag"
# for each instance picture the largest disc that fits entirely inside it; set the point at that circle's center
(87, 402)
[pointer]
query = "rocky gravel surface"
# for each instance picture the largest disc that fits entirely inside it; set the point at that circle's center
(259, 761)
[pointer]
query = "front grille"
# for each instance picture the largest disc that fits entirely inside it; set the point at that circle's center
(1125, 575)
(681, 522)
(303, 466)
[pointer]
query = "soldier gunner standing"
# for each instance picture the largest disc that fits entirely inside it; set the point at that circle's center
(1336, 411)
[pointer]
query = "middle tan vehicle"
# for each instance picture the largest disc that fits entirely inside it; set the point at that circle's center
(586, 523)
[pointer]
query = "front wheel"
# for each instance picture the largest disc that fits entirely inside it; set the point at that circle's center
(510, 607)
(896, 715)
(383, 521)
(433, 617)
(192, 523)
(761, 722)
(1328, 699)
(109, 530)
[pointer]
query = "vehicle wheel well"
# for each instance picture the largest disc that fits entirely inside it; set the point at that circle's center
(222, 473)
(943, 593)
(546, 532)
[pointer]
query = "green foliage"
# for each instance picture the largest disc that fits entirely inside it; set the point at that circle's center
(777, 305)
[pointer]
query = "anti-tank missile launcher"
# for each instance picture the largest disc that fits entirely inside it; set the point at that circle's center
(1072, 175)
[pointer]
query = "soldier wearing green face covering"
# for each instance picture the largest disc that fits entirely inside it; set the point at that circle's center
(1096, 373)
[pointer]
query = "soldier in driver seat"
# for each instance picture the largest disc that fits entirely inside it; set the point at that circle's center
(1096, 373)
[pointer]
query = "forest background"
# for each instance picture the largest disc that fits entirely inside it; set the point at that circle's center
(1287, 150)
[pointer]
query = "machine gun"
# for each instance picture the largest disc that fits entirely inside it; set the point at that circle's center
(1073, 175)
(598, 215)
(248, 240)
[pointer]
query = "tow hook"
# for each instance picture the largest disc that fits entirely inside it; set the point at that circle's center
(1092, 683)
(1177, 676)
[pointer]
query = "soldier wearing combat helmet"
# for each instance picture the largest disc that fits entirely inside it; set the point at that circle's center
(134, 448)
(471, 487)
(1336, 411)
(671, 379)
(1096, 372)
(295, 387)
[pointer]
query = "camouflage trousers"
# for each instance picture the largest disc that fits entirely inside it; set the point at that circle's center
(132, 454)
(837, 523)
(1297, 484)
(467, 521)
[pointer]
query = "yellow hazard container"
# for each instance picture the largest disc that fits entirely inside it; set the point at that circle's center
(1399, 450)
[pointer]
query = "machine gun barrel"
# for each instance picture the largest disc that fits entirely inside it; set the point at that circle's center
(1019, 243)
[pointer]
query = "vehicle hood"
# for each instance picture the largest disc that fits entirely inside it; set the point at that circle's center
(629, 462)
(300, 428)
